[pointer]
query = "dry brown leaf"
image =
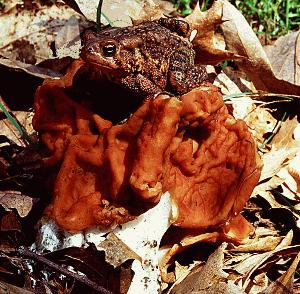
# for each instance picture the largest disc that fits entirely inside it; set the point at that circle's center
(241, 39)
(284, 56)
(264, 190)
(181, 270)
(284, 284)
(116, 252)
(253, 262)
(264, 187)
(260, 283)
(256, 261)
(210, 278)
(284, 147)
(67, 41)
(8, 288)
(87, 8)
(259, 245)
(260, 121)
(15, 199)
(37, 27)
(9, 222)
(185, 243)
(225, 84)
(284, 137)
(10, 5)
(121, 13)
(7, 129)
(34, 70)
(205, 23)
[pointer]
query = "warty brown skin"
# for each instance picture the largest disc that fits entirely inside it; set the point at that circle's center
(148, 58)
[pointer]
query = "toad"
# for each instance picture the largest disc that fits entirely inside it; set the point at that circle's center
(147, 58)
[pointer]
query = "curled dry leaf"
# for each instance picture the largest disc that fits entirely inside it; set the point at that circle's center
(87, 8)
(15, 199)
(259, 245)
(205, 24)
(250, 264)
(241, 39)
(226, 85)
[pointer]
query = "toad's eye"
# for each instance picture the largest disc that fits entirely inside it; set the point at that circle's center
(109, 50)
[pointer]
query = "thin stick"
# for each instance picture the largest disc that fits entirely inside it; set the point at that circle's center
(23, 251)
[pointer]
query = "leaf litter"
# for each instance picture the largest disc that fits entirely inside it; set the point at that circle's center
(252, 267)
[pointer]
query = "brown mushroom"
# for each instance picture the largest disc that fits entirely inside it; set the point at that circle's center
(190, 146)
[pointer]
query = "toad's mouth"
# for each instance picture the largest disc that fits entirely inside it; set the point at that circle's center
(107, 72)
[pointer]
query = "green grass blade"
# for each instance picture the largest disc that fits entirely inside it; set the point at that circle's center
(15, 123)
(98, 19)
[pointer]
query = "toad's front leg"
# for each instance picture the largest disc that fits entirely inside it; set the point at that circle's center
(183, 75)
(140, 85)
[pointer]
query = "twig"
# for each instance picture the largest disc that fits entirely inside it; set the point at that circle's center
(23, 251)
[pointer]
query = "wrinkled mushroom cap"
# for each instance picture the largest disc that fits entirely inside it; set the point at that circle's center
(190, 146)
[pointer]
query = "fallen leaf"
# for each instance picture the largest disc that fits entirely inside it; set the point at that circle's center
(37, 26)
(9, 130)
(87, 8)
(284, 284)
(67, 41)
(121, 13)
(15, 199)
(284, 147)
(225, 84)
(259, 245)
(254, 262)
(284, 137)
(269, 185)
(284, 57)
(260, 283)
(116, 252)
(9, 222)
(34, 70)
(171, 251)
(8, 288)
(241, 39)
(210, 278)
(205, 24)
(259, 120)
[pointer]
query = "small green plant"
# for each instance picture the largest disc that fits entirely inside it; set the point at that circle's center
(183, 6)
(271, 17)
(2, 4)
